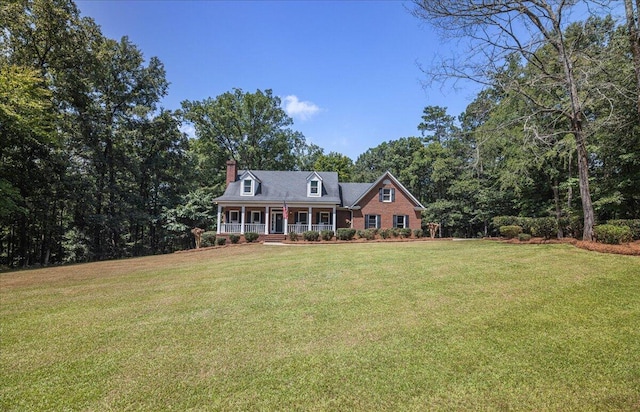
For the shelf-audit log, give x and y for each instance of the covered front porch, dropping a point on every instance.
(275, 219)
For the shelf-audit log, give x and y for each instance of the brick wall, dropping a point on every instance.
(371, 205)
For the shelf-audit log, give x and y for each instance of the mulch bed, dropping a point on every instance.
(632, 249)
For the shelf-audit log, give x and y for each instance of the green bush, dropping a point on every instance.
(613, 235)
(394, 232)
(524, 222)
(405, 232)
(326, 234)
(633, 224)
(233, 238)
(369, 234)
(510, 231)
(345, 234)
(208, 239)
(221, 241)
(251, 237)
(311, 235)
(293, 236)
(418, 233)
(360, 234)
(385, 233)
(524, 237)
(545, 227)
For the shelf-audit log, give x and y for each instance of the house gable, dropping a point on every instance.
(387, 204)
(249, 184)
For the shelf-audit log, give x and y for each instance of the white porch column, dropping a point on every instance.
(285, 216)
(267, 220)
(309, 218)
(218, 226)
(334, 219)
(242, 222)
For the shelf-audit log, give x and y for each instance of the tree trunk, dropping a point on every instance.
(556, 200)
(578, 133)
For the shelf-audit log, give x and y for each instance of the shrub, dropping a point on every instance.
(524, 222)
(613, 235)
(326, 234)
(633, 224)
(394, 232)
(233, 238)
(510, 231)
(208, 239)
(385, 233)
(404, 232)
(524, 237)
(221, 241)
(360, 234)
(418, 233)
(345, 233)
(311, 235)
(251, 237)
(545, 227)
(293, 236)
(369, 234)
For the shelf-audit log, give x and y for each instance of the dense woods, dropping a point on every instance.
(92, 168)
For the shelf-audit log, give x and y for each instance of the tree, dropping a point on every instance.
(497, 30)
(633, 28)
(251, 128)
(335, 162)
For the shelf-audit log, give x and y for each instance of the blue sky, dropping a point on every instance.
(347, 72)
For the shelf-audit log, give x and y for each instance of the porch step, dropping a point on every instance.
(274, 238)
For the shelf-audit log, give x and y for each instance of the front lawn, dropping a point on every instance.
(472, 325)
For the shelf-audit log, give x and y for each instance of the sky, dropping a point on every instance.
(347, 72)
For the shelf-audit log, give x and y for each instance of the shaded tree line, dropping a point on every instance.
(92, 167)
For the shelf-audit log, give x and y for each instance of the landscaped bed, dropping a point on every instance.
(364, 326)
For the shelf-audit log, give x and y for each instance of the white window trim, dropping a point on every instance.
(311, 194)
(299, 214)
(255, 213)
(237, 219)
(367, 223)
(387, 197)
(396, 220)
(323, 221)
(253, 188)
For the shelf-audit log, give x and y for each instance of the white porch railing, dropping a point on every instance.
(237, 227)
(298, 228)
(254, 227)
(321, 227)
(230, 227)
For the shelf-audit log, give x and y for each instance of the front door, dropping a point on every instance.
(277, 222)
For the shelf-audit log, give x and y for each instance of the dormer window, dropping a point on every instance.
(247, 187)
(314, 185)
(313, 188)
(248, 184)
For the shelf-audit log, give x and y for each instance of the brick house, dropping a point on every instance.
(280, 202)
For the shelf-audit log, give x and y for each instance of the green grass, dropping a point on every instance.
(368, 326)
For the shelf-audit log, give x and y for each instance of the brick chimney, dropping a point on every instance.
(232, 171)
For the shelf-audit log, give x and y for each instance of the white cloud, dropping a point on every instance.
(299, 110)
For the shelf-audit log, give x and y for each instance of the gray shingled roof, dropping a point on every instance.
(280, 186)
(352, 192)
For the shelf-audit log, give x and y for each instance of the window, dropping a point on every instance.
(302, 217)
(324, 218)
(247, 187)
(372, 221)
(314, 188)
(256, 216)
(234, 216)
(387, 195)
(400, 221)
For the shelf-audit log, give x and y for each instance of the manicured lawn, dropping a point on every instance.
(387, 326)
